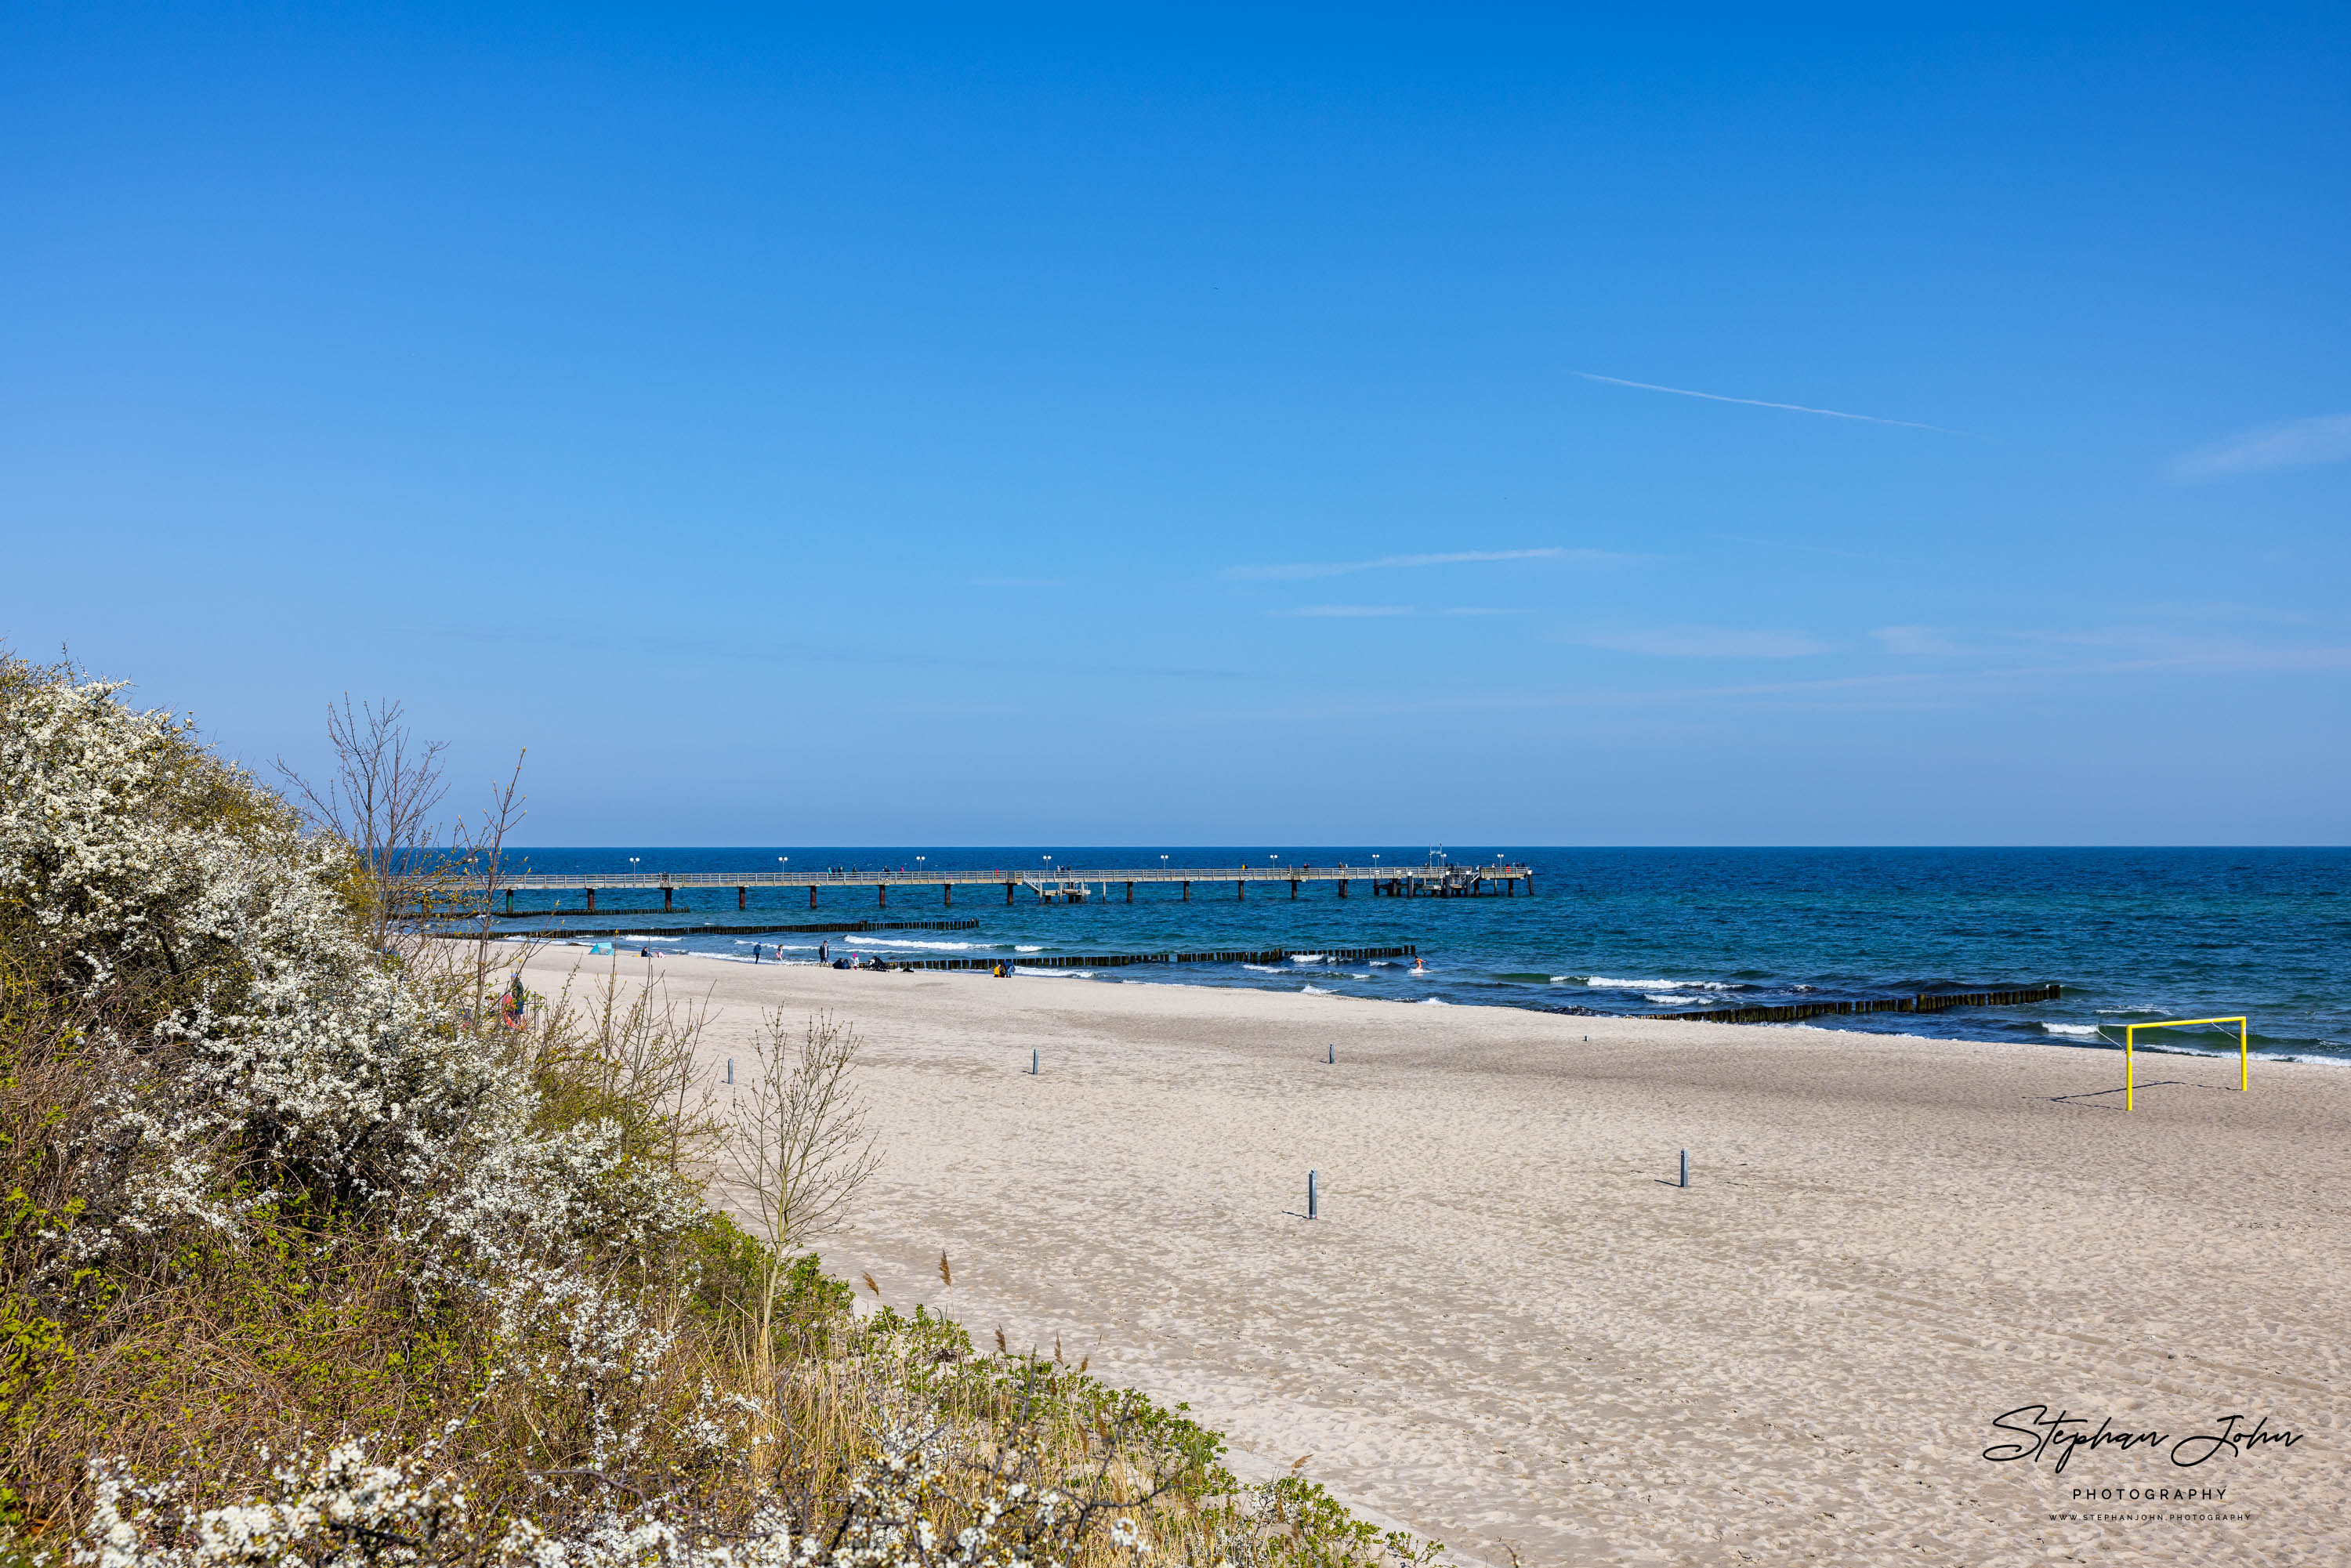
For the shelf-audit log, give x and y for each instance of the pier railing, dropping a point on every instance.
(862, 876)
(1427, 881)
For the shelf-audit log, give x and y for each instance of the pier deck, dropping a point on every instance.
(1052, 884)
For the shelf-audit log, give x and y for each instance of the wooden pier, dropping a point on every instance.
(1070, 884)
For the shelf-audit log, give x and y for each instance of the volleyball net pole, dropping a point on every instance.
(2130, 1038)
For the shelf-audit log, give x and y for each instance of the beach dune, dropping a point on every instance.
(1509, 1330)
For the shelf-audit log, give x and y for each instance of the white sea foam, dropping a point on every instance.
(1603, 983)
(1355, 976)
(860, 940)
(2072, 1029)
(1667, 999)
(1028, 948)
(1386, 963)
(1266, 969)
(1310, 959)
(1319, 991)
(1054, 974)
(1433, 1002)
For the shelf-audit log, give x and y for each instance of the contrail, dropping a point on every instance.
(1758, 402)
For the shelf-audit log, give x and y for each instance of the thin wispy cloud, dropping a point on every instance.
(1339, 611)
(1760, 402)
(1915, 640)
(2327, 439)
(1699, 642)
(1298, 570)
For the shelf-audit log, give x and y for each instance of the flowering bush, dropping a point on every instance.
(277, 1184)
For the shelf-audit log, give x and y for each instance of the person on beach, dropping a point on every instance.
(824, 951)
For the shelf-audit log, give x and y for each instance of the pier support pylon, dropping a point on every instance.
(812, 895)
(882, 894)
(669, 899)
(742, 898)
(947, 888)
(1130, 892)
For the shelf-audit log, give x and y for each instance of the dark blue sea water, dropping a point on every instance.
(2132, 935)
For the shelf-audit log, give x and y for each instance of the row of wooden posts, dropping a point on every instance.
(1924, 1002)
(1117, 960)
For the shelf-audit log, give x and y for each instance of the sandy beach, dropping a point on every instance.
(1510, 1332)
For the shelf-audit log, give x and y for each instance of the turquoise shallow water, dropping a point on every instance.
(2132, 935)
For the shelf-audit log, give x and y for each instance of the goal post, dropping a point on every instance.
(2130, 1034)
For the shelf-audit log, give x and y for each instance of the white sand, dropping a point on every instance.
(1506, 1329)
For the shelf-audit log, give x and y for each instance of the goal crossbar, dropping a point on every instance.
(2130, 1033)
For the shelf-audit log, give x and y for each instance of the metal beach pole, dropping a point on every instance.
(1312, 1196)
(1686, 1168)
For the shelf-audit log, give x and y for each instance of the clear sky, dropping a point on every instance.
(1209, 424)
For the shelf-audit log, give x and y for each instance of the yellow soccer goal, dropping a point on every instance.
(2130, 1033)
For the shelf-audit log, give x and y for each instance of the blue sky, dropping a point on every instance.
(1207, 424)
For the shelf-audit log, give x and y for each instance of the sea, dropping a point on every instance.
(2133, 936)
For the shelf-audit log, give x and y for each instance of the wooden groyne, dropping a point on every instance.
(1119, 960)
(1924, 1002)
